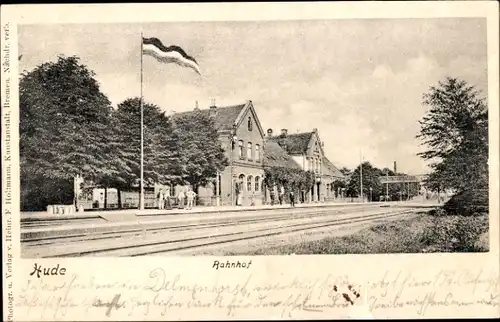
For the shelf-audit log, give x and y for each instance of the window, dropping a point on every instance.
(249, 183)
(257, 183)
(249, 124)
(240, 149)
(240, 183)
(249, 150)
(257, 152)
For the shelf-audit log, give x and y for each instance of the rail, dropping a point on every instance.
(174, 236)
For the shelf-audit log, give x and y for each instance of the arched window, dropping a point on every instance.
(241, 181)
(240, 148)
(249, 150)
(257, 183)
(249, 183)
(249, 123)
(257, 152)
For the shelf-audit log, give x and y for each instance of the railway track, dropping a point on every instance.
(186, 238)
(64, 221)
(46, 234)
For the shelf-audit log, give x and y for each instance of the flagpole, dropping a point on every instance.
(141, 202)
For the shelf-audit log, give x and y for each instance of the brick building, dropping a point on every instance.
(306, 150)
(242, 137)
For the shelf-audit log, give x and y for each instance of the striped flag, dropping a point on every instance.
(172, 54)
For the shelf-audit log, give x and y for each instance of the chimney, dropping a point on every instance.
(196, 106)
(395, 168)
(284, 132)
(269, 132)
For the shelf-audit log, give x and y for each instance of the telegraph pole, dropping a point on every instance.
(361, 177)
(387, 185)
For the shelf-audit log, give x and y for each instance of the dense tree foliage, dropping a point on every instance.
(371, 179)
(455, 131)
(69, 128)
(64, 126)
(291, 179)
(162, 157)
(201, 152)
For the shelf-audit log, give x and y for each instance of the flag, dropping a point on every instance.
(172, 54)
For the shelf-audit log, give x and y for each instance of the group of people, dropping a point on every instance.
(164, 199)
(281, 197)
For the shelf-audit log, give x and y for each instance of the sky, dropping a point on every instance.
(358, 81)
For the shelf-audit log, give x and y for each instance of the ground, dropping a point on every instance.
(417, 234)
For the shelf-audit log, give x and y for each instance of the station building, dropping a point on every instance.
(306, 149)
(249, 150)
(242, 137)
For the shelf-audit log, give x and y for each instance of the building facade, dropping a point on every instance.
(242, 138)
(306, 149)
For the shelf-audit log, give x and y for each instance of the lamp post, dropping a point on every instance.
(318, 181)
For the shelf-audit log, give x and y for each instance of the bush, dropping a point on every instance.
(468, 203)
(38, 193)
(455, 234)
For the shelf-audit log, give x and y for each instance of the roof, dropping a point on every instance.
(225, 118)
(275, 156)
(296, 143)
(330, 169)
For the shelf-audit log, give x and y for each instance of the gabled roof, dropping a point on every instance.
(225, 118)
(275, 156)
(293, 143)
(249, 106)
(331, 170)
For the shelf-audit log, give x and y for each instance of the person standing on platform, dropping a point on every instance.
(190, 198)
(282, 194)
(292, 199)
(181, 197)
(160, 200)
(167, 198)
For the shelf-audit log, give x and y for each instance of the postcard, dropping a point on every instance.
(230, 161)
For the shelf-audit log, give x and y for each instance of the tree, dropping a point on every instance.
(162, 159)
(338, 185)
(345, 171)
(371, 179)
(201, 154)
(292, 179)
(455, 131)
(64, 127)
